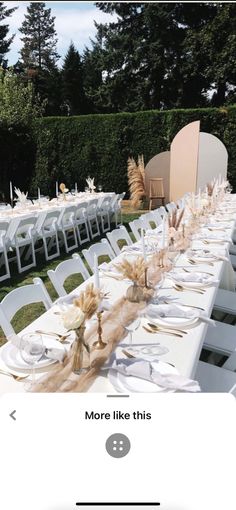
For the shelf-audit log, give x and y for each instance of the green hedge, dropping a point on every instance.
(68, 149)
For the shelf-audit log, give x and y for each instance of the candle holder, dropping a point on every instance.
(99, 344)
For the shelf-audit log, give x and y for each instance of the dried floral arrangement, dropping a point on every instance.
(210, 189)
(174, 219)
(88, 301)
(63, 188)
(136, 180)
(134, 271)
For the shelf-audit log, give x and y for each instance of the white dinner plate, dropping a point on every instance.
(137, 385)
(178, 322)
(11, 356)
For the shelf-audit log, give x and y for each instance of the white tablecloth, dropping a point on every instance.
(183, 353)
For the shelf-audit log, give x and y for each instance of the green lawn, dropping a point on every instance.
(28, 313)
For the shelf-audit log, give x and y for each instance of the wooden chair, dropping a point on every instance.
(156, 191)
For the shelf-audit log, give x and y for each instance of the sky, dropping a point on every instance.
(74, 22)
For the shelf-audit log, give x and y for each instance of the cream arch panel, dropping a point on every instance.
(159, 166)
(212, 159)
(184, 161)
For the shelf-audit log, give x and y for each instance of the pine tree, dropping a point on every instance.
(72, 82)
(4, 29)
(39, 38)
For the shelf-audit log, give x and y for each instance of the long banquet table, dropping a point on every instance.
(34, 209)
(183, 353)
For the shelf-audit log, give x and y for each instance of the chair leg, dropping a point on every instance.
(5, 263)
(47, 246)
(20, 267)
(66, 237)
(150, 204)
(97, 231)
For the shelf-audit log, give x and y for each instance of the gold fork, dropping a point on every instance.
(167, 328)
(16, 377)
(180, 288)
(204, 272)
(196, 262)
(162, 331)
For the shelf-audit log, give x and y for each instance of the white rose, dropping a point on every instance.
(73, 317)
(204, 202)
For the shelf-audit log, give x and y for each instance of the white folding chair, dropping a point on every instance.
(150, 220)
(4, 246)
(104, 211)
(171, 207)
(21, 235)
(81, 223)
(67, 268)
(116, 211)
(66, 227)
(100, 249)
(119, 234)
(47, 230)
(221, 339)
(19, 297)
(158, 218)
(136, 227)
(92, 218)
(213, 379)
(162, 211)
(225, 301)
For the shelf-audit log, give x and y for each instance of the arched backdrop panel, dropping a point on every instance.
(159, 166)
(184, 161)
(212, 159)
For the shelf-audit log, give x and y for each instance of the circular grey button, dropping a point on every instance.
(118, 445)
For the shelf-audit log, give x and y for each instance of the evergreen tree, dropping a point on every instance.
(72, 82)
(4, 29)
(39, 38)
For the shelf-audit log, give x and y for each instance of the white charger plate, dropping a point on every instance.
(11, 356)
(137, 385)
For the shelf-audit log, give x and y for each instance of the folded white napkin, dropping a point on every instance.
(50, 353)
(178, 311)
(193, 277)
(213, 236)
(143, 369)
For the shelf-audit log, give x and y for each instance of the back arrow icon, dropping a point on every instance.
(12, 415)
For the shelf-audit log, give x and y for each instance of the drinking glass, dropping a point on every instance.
(31, 351)
(100, 188)
(131, 328)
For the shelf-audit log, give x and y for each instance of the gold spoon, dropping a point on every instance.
(172, 330)
(161, 331)
(16, 377)
(180, 288)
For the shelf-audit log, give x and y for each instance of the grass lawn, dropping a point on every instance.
(29, 313)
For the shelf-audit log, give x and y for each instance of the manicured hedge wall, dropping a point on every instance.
(68, 149)
(71, 148)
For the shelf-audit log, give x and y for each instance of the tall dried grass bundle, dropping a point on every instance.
(210, 189)
(134, 271)
(175, 219)
(88, 301)
(136, 180)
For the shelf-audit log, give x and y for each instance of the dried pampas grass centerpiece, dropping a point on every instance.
(89, 300)
(135, 272)
(136, 179)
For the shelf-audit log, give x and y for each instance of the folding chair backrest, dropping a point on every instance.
(19, 297)
(156, 188)
(100, 249)
(65, 269)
